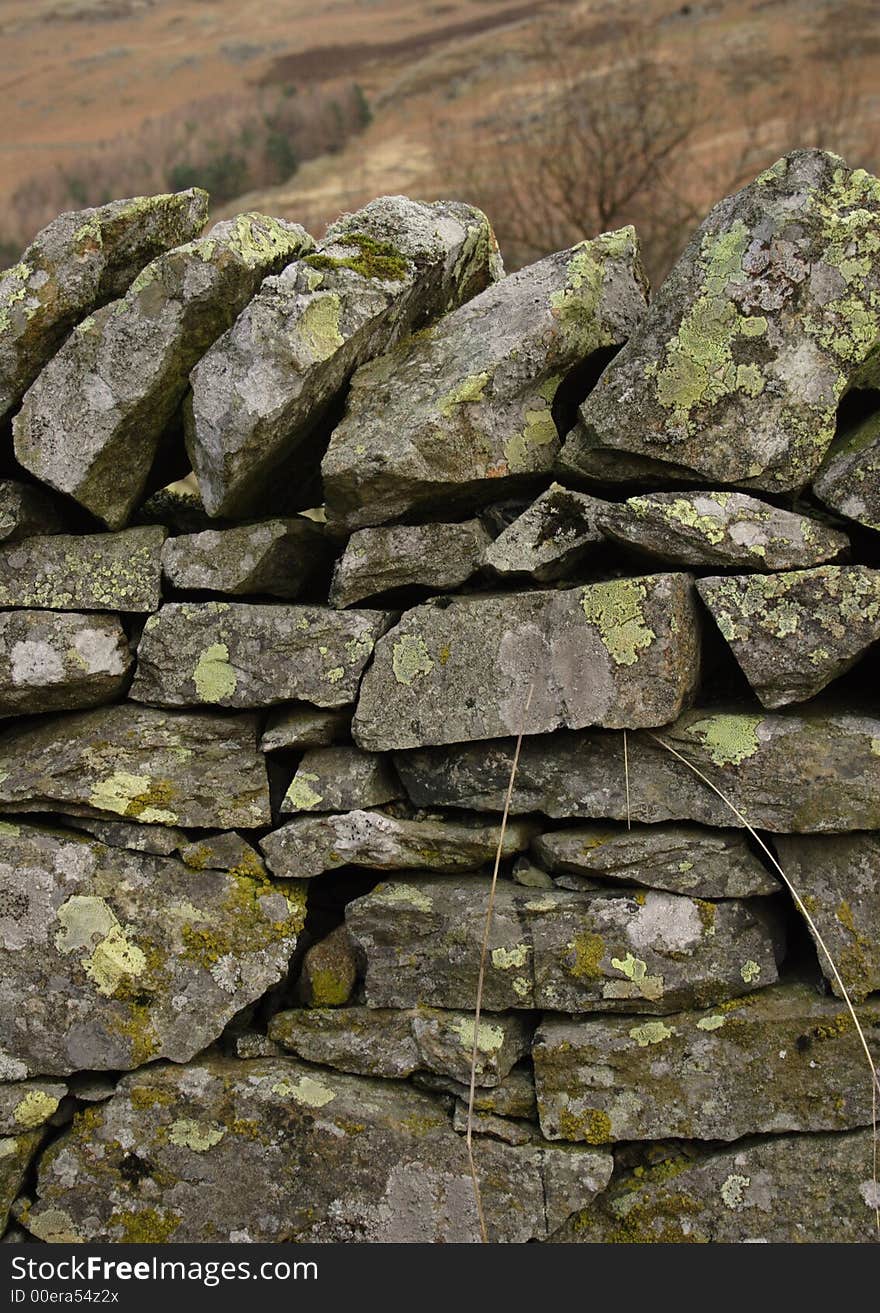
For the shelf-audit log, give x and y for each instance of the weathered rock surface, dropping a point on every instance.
(26, 1104)
(849, 480)
(305, 727)
(622, 653)
(91, 572)
(340, 780)
(726, 529)
(770, 315)
(276, 557)
(794, 633)
(783, 1059)
(255, 1123)
(311, 845)
(224, 852)
(241, 654)
(434, 556)
(160, 840)
(111, 959)
(193, 770)
(52, 661)
(513, 1097)
(78, 262)
(463, 411)
(682, 859)
(807, 772)
(571, 952)
(260, 392)
(27, 511)
(16, 1153)
(329, 972)
(551, 539)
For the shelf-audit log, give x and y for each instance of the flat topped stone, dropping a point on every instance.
(849, 479)
(305, 727)
(27, 511)
(277, 557)
(457, 413)
(771, 314)
(27, 1104)
(341, 779)
(51, 661)
(437, 556)
(87, 572)
(550, 540)
(622, 653)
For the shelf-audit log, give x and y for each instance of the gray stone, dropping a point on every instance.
(794, 633)
(499, 1128)
(254, 1045)
(78, 262)
(783, 1059)
(27, 1104)
(111, 959)
(194, 770)
(341, 780)
(550, 540)
(653, 952)
(437, 556)
(329, 971)
(682, 859)
(92, 1087)
(767, 319)
(311, 845)
(160, 840)
(622, 653)
(52, 661)
(27, 511)
(849, 480)
(16, 1154)
(223, 852)
(462, 412)
(276, 557)
(513, 1097)
(89, 572)
(305, 727)
(261, 391)
(242, 654)
(726, 529)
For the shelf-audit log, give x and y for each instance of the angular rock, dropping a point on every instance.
(254, 1045)
(329, 972)
(682, 859)
(653, 952)
(261, 391)
(801, 773)
(437, 556)
(849, 480)
(513, 1097)
(224, 852)
(111, 959)
(26, 1104)
(550, 540)
(243, 654)
(16, 1155)
(276, 557)
(52, 661)
(160, 840)
(463, 412)
(726, 529)
(500, 1128)
(622, 653)
(78, 262)
(26, 511)
(339, 780)
(794, 633)
(131, 762)
(311, 845)
(780, 1060)
(89, 572)
(305, 727)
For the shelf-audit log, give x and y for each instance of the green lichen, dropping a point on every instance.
(318, 327)
(750, 971)
(728, 739)
(145, 1226)
(466, 392)
(35, 1108)
(587, 951)
(651, 1032)
(374, 259)
(591, 1125)
(301, 797)
(410, 659)
(616, 609)
(214, 677)
(195, 1135)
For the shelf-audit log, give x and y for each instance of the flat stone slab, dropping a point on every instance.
(794, 633)
(27, 511)
(513, 1097)
(570, 952)
(53, 661)
(550, 540)
(849, 479)
(275, 557)
(86, 572)
(726, 529)
(385, 1164)
(783, 1059)
(139, 763)
(340, 780)
(122, 957)
(26, 1104)
(737, 369)
(243, 654)
(305, 727)
(462, 413)
(622, 653)
(436, 556)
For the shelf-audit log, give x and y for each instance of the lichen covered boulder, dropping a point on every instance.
(91, 572)
(339, 780)
(26, 1104)
(435, 556)
(275, 557)
(849, 480)
(51, 661)
(550, 540)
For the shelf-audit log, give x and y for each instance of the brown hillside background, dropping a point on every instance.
(559, 119)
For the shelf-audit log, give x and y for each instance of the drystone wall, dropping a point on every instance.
(258, 726)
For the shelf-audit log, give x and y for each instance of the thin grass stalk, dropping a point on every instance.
(626, 780)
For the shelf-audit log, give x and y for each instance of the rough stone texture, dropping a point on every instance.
(464, 410)
(837, 878)
(111, 959)
(16, 1153)
(807, 772)
(224, 852)
(26, 511)
(305, 727)
(653, 952)
(341, 780)
(311, 845)
(849, 480)
(790, 1189)
(239, 654)
(550, 540)
(78, 262)
(726, 529)
(391, 1166)
(513, 1097)
(26, 1104)
(160, 840)
(56, 662)
(260, 392)
(794, 633)
(436, 556)
(396, 1042)
(779, 1060)
(192, 770)
(276, 557)
(329, 972)
(622, 653)
(681, 859)
(92, 572)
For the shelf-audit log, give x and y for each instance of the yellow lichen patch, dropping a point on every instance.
(591, 1125)
(305, 1090)
(733, 1191)
(505, 958)
(632, 967)
(524, 451)
(469, 390)
(713, 1022)
(198, 1136)
(651, 1032)
(410, 659)
(750, 971)
(134, 795)
(318, 326)
(89, 923)
(586, 951)
(213, 676)
(489, 1038)
(391, 894)
(728, 739)
(301, 797)
(35, 1108)
(615, 608)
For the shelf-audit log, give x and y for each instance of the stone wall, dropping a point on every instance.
(258, 724)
